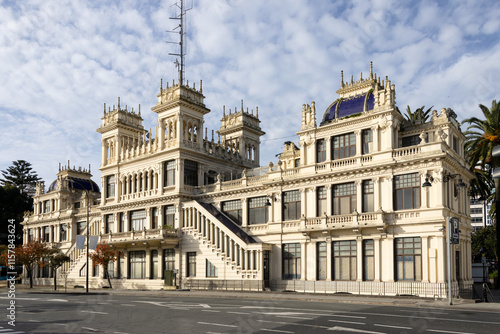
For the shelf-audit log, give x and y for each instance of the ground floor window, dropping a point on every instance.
(169, 259)
(291, 261)
(154, 264)
(408, 259)
(368, 260)
(321, 260)
(191, 264)
(137, 264)
(111, 270)
(344, 260)
(211, 270)
(121, 268)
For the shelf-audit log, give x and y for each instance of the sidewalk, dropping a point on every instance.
(462, 304)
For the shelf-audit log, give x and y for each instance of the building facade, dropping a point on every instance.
(358, 204)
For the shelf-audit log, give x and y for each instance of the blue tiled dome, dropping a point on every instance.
(76, 183)
(350, 106)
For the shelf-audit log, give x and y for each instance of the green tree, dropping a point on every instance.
(56, 260)
(13, 204)
(484, 241)
(103, 255)
(21, 175)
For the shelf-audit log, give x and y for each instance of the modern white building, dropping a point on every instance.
(357, 203)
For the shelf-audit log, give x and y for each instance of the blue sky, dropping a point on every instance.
(62, 60)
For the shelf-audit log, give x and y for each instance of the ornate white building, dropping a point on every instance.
(358, 204)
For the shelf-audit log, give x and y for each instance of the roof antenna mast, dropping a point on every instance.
(182, 33)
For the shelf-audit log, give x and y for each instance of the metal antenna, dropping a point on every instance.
(181, 54)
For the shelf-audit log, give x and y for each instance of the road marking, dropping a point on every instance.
(301, 318)
(173, 305)
(276, 330)
(450, 332)
(33, 321)
(347, 316)
(390, 326)
(90, 329)
(127, 304)
(243, 313)
(210, 311)
(429, 318)
(295, 324)
(352, 330)
(348, 322)
(214, 324)
(57, 300)
(94, 312)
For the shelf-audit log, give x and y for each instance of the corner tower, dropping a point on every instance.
(241, 131)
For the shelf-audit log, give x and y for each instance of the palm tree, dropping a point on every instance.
(418, 116)
(483, 135)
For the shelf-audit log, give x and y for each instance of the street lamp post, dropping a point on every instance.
(88, 239)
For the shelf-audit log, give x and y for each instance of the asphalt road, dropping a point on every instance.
(133, 314)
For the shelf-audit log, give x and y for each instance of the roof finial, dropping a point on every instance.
(371, 70)
(342, 79)
(139, 110)
(223, 111)
(118, 103)
(161, 85)
(104, 108)
(241, 105)
(257, 110)
(361, 77)
(201, 86)
(352, 79)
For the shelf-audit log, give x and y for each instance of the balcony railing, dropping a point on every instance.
(151, 234)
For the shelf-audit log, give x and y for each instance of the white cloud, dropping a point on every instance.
(61, 60)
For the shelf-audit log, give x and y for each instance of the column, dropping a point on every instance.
(244, 212)
(303, 261)
(357, 133)
(328, 142)
(377, 257)
(148, 218)
(303, 202)
(425, 191)
(425, 259)
(148, 263)
(375, 139)
(329, 259)
(387, 194)
(359, 195)
(329, 199)
(390, 259)
(126, 271)
(359, 258)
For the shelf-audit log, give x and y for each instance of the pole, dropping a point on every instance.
(497, 204)
(88, 236)
(448, 251)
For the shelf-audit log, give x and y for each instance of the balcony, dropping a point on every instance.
(152, 237)
(376, 219)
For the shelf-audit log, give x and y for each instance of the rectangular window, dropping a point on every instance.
(46, 206)
(233, 210)
(191, 264)
(455, 144)
(257, 210)
(297, 162)
(110, 223)
(77, 205)
(321, 260)
(169, 215)
(407, 191)
(291, 205)
(368, 197)
(291, 261)
(320, 201)
(154, 218)
(344, 198)
(320, 150)
(367, 141)
(137, 264)
(344, 260)
(169, 170)
(80, 227)
(408, 259)
(110, 186)
(368, 260)
(46, 234)
(211, 270)
(31, 235)
(122, 222)
(121, 268)
(63, 232)
(137, 220)
(190, 173)
(410, 141)
(343, 146)
(169, 259)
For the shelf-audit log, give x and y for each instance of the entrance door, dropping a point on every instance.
(266, 266)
